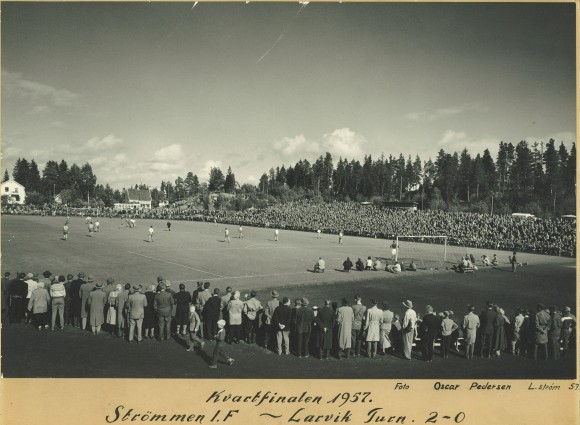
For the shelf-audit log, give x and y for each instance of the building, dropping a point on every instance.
(13, 192)
(136, 199)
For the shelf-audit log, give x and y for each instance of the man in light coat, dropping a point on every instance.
(136, 303)
(408, 328)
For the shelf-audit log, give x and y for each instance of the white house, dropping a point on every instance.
(13, 192)
(139, 198)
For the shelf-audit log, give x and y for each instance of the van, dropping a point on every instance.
(523, 215)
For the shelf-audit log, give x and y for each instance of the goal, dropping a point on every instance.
(427, 251)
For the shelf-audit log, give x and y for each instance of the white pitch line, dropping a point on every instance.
(177, 264)
(242, 277)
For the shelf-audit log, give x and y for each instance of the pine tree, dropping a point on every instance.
(230, 182)
(6, 176)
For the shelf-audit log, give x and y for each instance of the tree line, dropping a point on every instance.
(538, 179)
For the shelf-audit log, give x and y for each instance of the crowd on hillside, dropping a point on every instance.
(501, 232)
(350, 327)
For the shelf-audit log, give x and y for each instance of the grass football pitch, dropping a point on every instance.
(195, 251)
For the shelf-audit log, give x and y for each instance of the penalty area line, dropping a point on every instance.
(177, 264)
(243, 277)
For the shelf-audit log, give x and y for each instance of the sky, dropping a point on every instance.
(147, 92)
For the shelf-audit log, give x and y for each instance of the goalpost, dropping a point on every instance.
(424, 248)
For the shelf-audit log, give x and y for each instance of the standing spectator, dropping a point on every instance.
(373, 322)
(514, 262)
(344, 321)
(194, 323)
(542, 324)
(211, 313)
(408, 328)
(304, 319)
(325, 322)
(200, 300)
(359, 312)
(386, 326)
(57, 294)
(137, 303)
(121, 304)
(448, 326)
(430, 326)
(281, 322)
(487, 320)
(251, 309)
(84, 292)
(32, 285)
(293, 328)
(5, 295)
(470, 326)
(219, 339)
(96, 304)
(235, 308)
(271, 306)
(75, 299)
(149, 313)
(568, 327)
(38, 305)
(516, 329)
(67, 300)
(163, 306)
(276, 233)
(555, 332)
(182, 301)
(17, 290)
(111, 318)
(224, 304)
(499, 338)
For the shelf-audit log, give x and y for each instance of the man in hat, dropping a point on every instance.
(543, 321)
(487, 319)
(344, 320)
(18, 289)
(75, 299)
(555, 332)
(430, 326)
(96, 303)
(211, 313)
(194, 323)
(568, 326)
(470, 325)
(325, 322)
(110, 287)
(281, 323)
(200, 300)
(408, 328)
(269, 310)
(359, 311)
(32, 285)
(304, 318)
(220, 337)
(38, 306)
(136, 306)
(163, 306)
(84, 292)
(252, 309)
(121, 304)
(182, 301)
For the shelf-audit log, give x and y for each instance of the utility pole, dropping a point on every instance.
(491, 203)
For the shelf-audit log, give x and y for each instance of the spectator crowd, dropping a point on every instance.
(340, 329)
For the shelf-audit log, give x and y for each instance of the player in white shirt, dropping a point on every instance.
(227, 236)
(241, 232)
(97, 225)
(340, 237)
(65, 231)
(151, 231)
(318, 234)
(91, 229)
(276, 232)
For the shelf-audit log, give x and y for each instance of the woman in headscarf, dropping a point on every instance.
(149, 317)
(235, 307)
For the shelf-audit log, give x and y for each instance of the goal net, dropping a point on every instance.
(427, 252)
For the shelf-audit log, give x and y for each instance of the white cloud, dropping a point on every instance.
(451, 137)
(14, 84)
(344, 142)
(455, 141)
(204, 176)
(340, 142)
(169, 153)
(107, 142)
(446, 112)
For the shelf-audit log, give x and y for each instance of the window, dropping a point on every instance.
(15, 190)
(6, 189)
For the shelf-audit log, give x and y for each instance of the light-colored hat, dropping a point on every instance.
(304, 301)
(408, 304)
(136, 287)
(153, 287)
(167, 284)
(118, 287)
(221, 323)
(192, 309)
(567, 309)
(90, 278)
(274, 293)
(29, 276)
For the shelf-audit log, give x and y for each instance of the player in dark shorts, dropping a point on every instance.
(169, 226)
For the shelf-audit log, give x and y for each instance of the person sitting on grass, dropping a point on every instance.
(360, 265)
(219, 340)
(494, 260)
(369, 265)
(412, 267)
(377, 264)
(319, 266)
(394, 268)
(347, 264)
(485, 260)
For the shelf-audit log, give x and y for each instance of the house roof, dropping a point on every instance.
(12, 182)
(138, 195)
